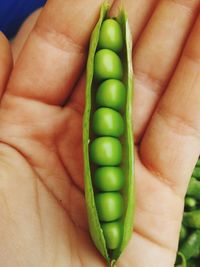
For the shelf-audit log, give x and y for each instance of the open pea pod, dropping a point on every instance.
(181, 260)
(124, 142)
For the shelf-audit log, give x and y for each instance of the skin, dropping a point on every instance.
(43, 220)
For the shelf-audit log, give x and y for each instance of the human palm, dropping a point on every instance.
(43, 216)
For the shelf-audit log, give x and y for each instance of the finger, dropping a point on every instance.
(22, 35)
(5, 62)
(139, 13)
(157, 53)
(171, 144)
(54, 54)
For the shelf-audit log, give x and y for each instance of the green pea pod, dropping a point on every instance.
(196, 172)
(198, 163)
(192, 219)
(183, 233)
(127, 164)
(180, 260)
(194, 188)
(191, 246)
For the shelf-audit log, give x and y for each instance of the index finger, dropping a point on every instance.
(54, 54)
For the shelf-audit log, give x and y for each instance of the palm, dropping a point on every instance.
(41, 154)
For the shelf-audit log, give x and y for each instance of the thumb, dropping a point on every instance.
(6, 62)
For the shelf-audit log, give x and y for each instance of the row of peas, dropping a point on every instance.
(108, 126)
(189, 243)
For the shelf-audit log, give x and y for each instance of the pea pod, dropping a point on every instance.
(183, 233)
(108, 137)
(196, 172)
(194, 188)
(180, 260)
(198, 163)
(191, 246)
(192, 219)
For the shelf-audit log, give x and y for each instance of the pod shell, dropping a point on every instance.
(127, 142)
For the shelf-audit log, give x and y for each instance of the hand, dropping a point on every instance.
(43, 218)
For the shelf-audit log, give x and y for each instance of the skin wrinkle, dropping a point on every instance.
(58, 40)
(187, 4)
(166, 181)
(38, 211)
(177, 124)
(156, 83)
(154, 241)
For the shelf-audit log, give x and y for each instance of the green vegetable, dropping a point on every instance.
(180, 260)
(111, 94)
(106, 151)
(109, 206)
(194, 188)
(108, 160)
(183, 233)
(107, 65)
(196, 172)
(109, 179)
(192, 219)
(189, 242)
(111, 35)
(113, 234)
(191, 246)
(198, 163)
(108, 122)
(190, 203)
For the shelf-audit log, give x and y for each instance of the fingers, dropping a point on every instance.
(5, 62)
(54, 54)
(171, 144)
(22, 35)
(156, 55)
(139, 12)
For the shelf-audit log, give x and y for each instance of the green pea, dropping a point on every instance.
(112, 94)
(113, 234)
(111, 35)
(192, 219)
(106, 151)
(190, 203)
(191, 246)
(109, 206)
(194, 188)
(108, 122)
(183, 233)
(109, 179)
(108, 157)
(196, 172)
(107, 65)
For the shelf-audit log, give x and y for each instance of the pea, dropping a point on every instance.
(108, 161)
(190, 247)
(190, 203)
(183, 233)
(192, 219)
(111, 93)
(112, 233)
(108, 122)
(107, 65)
(111, 35)
(109, 206)
(109, 178)
(106, 151)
